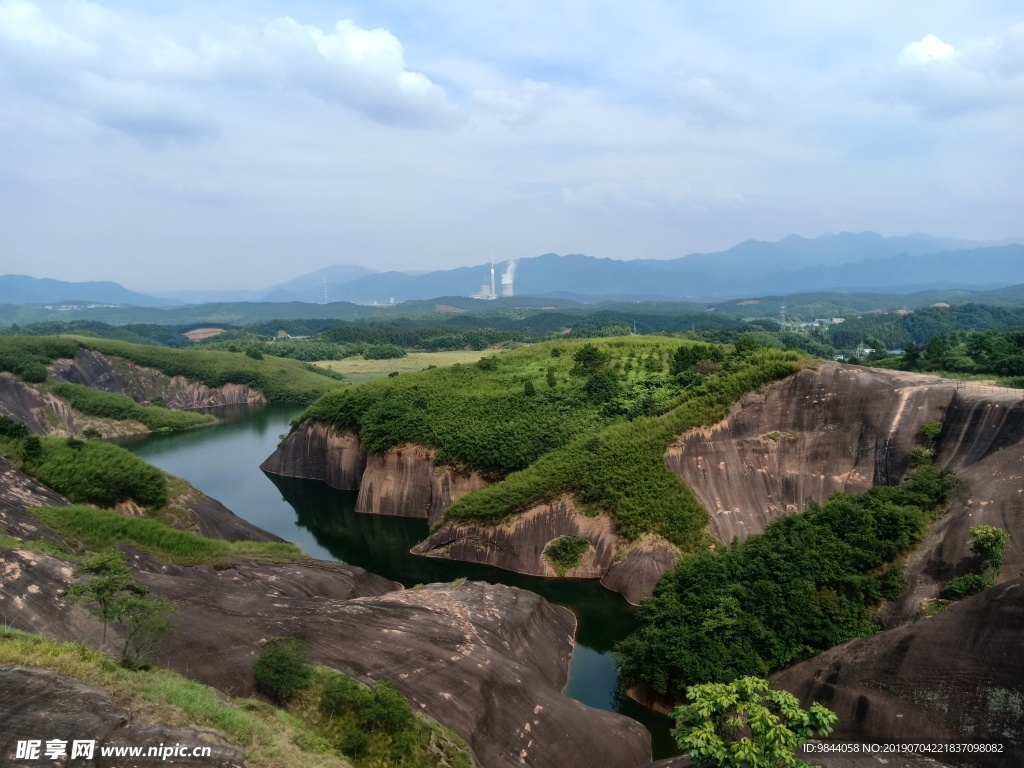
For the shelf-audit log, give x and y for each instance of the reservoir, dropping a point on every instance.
(223, 462)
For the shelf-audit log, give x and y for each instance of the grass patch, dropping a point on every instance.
(565, 552)
(271, 738)
(358, 370)
(100, 529)
(42, 546)
(110, 405)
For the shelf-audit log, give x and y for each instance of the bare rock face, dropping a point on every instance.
(18, 493)
(837, 428)
(488, 661)
(315, 451)
(43, 413)
(43, 705)
(209, 518)
(518, 545)
(635, 575)
(983, 442)
(956, 676)
(398, 483)
(405, 481)
(112, 374)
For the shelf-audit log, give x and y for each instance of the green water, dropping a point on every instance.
(223, 462)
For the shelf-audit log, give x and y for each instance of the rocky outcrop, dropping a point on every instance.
(837, 428)
(398, 483)
(113, 374)
(18, 493)
(983, 442)
(405, 481)
(208, 517)
(43, 705)
(315, 451)
(645, 562)
(43, 413)
(954, 677)
(518, 545)
(488, 661)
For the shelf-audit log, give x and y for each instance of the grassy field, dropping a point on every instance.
(358, 371)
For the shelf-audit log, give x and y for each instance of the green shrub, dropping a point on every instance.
(102, 529)
(93, 472)
(342, 694)
(529, 389)
(930, 431)
(110, 405)
(564, 553)
(281, 670)
(808, 583)
(355, 744)
(383, 352)
(966, 585)
(11, 429)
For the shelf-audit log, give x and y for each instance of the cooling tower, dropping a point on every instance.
(507, 279)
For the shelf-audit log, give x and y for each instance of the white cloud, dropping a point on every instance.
(360, 69)
(927, 50)
(941, 81)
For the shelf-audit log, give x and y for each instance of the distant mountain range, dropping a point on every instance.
(844, 262)
(22, 289)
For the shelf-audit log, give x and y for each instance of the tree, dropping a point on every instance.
(529, 389)
(552, 381)
(110, 578)
(589, 360)
(713, 729)
(988, 544)
(142, 616)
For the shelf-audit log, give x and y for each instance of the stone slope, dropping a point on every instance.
(488, 661)
(956, 676)
(983, 442)
(113, 374)
(837, 428)
(41, 704)
(43, 413)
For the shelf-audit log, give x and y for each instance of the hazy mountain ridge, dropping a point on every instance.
(844, 262)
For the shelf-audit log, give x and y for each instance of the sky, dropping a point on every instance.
(238, 144)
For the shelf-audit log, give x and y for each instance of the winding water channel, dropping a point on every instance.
(223, 462)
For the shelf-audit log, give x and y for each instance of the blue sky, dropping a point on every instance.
(237, 144)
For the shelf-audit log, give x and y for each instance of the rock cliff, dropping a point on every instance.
(837, 428)
(315, 451)
(40, 704)
(113, 374)
(405, 481)
(956, 676)
(518, 545)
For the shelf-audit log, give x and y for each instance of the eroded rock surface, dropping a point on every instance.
(315, 451)
(43, 413)
(113, 374)
(837, 428)
(956, 676)
(405, 481)
(983, 442)
(18, 493)
(518, 545)
(41, 704)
